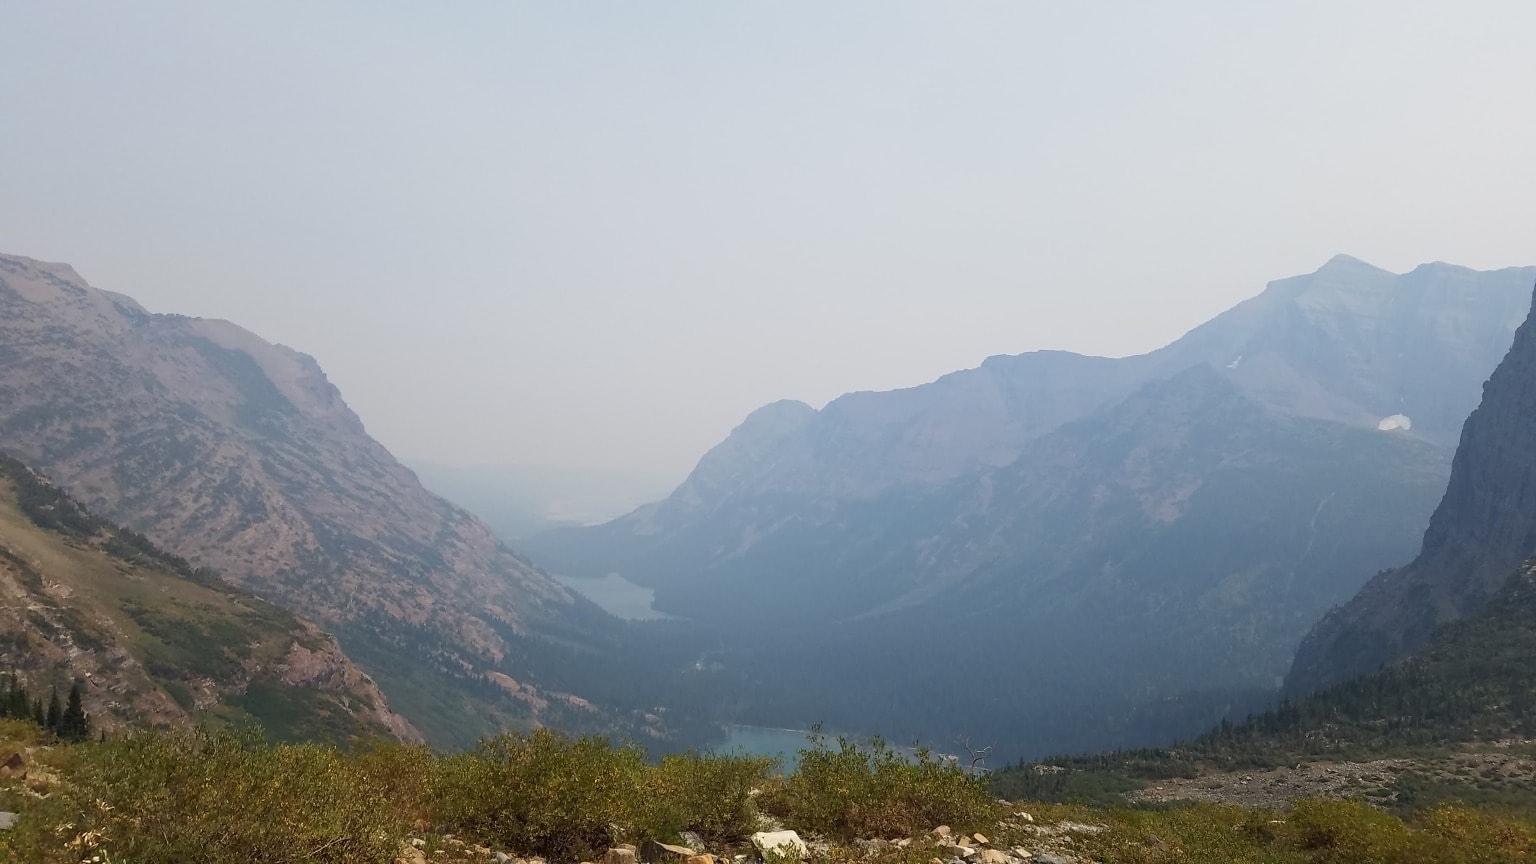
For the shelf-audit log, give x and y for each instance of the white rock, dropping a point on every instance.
(781, 842)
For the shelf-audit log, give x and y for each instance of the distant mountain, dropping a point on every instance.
(517, 501)
(1103, 538)
(156, 642)
(1483, 529)
(239, 455)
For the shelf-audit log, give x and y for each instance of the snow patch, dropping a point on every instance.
(1235, 363)
(1395, 423)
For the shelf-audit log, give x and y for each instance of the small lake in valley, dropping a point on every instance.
(782, 744)
(617, 596)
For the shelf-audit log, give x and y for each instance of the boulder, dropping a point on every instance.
(980, 838)
(992, 856)
(621, 855)
(661, 853)
(7, 821)
(701, 858)
(780, 843)
(941, 831)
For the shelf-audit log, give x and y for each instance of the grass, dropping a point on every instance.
(225, 796)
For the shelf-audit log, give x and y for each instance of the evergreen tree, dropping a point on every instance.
(55, 710)
(38, 716)
(74, 724)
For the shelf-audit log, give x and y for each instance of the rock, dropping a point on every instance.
(979, 838)
(1021, 852)
(621, 855)
(701, 858)
(1053, 859)
(1024, 816)
(692, 840)
(991, 856)
(941, 831)
(781, 843)
(411, 855)
(418, 843)
(664, 852)
(1080, 828)
(7, 821)
(502, 858)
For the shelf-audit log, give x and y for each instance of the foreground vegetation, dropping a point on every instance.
(223, 796)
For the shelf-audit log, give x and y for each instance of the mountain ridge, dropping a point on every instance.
(241, 456)
(1481, 530)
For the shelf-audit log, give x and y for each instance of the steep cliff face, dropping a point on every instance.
(1484, 528)
(240, 455)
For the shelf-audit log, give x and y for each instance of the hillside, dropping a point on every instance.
(1452, 721)
(156, 642)
(1131, 547)
(240, 456)
(1484, 527)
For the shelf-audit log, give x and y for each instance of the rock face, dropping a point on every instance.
(1112, 532)
(1484, 528)
(155, 641)
(241, 456)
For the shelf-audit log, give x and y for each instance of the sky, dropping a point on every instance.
(599, 234)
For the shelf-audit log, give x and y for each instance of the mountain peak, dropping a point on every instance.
(1342, 261)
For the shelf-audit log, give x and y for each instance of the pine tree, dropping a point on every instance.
(38, 716)
(74, 724)
(55, 710)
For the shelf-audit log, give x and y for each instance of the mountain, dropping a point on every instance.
(1125, 549)
(1484, 528)
(157, 642)
(241, 456)
(517, 501)
(1403, 735)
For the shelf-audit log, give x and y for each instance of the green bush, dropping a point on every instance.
(544, 793)
(210, 797)
(853, 791)
(709, 795)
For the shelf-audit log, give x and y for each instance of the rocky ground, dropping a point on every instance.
(1379, 781)
(1018, 839)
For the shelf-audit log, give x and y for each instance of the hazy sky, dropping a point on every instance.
(600, 233)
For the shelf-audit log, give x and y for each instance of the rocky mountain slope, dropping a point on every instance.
(157, 642)
(242, 457)
(1484, 527)
(1125, 535)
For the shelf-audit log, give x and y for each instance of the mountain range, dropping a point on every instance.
(1078, 552)
(240, 456)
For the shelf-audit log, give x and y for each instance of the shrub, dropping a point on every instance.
(213, 798)
(874, 792)
(709, 795)
(543, 793)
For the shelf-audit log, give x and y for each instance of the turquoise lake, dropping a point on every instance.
(617, 596)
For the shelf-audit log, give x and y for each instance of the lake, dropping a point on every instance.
(617, 596)
(782, 744)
